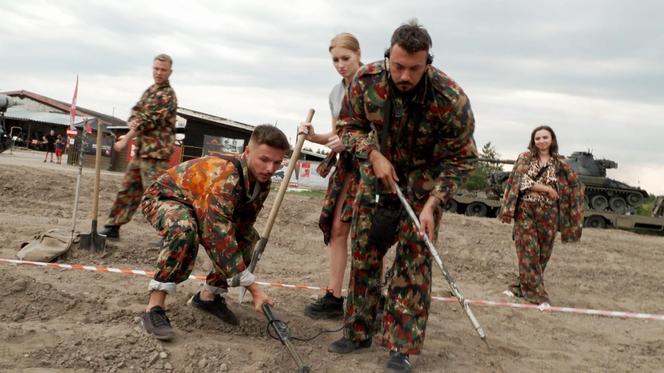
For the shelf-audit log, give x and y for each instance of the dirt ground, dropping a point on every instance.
(54, 320)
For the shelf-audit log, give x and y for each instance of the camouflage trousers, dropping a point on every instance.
(535, 227)
(141, 172)
(177, 224)
(409, 291)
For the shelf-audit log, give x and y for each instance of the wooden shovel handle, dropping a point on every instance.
(95, 196)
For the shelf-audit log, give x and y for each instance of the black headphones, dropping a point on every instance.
(429, 56)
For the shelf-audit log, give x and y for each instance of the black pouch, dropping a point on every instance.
(384, 229)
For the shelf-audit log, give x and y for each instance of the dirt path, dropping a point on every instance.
(61, 320)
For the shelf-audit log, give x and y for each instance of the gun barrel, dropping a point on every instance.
(502, 161)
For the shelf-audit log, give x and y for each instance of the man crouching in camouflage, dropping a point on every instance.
(424, 124)
(213, 201)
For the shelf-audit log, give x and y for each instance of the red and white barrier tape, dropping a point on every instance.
(579, 311)
(478, 302)
(136, 272)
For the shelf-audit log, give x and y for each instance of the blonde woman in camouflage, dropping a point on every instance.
(337, 207)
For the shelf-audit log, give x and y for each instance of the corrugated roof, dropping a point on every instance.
(20, 113)
(64, 107)
(188, 113)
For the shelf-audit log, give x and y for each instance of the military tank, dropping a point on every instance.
(601, 193)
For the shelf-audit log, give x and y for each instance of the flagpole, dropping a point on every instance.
(72, 128)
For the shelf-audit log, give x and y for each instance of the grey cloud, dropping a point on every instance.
(597, 61)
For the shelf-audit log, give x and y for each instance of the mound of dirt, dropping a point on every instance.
(64, 320)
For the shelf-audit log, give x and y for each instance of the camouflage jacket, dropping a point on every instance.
(155, 113)
(225, 210)
(570, 196)
(430, 140)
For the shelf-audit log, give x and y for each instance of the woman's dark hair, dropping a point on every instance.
(553, 150)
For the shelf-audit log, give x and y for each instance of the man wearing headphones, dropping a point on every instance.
(410, 126)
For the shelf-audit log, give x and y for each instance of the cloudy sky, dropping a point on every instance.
(587, 68)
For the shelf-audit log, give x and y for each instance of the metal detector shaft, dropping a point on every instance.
(282, 332)
(455, 289)
(260, 246)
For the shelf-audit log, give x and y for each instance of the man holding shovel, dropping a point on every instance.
(212, 201)
(410, 126)
(152, 124)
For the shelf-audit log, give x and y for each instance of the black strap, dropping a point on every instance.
(540, 172)
(387, 119)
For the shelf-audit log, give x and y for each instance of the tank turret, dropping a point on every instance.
(603, 193)
(497, 179)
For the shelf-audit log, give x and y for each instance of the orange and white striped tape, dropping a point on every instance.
(478, 302)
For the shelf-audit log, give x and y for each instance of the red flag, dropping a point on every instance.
(72, 108)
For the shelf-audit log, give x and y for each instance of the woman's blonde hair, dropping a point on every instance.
(345, 40)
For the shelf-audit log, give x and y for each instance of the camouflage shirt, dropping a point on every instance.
(225, 210)
(570, 194)
(430, 139)
(155, 113)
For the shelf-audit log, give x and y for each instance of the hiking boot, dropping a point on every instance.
(156, 323)
(111, 231)
(398, 363)
(345, 345)
(216, 307)
(327, 307)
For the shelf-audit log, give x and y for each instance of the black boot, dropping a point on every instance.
(345, 345)
(111, 231)
(398, 363)
(327, 307)
(216, 307)
(156, 323)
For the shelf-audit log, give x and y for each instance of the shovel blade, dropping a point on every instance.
(93, 241)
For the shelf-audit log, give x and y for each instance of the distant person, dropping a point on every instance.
(49, 141)
(152, 125)
(338, 204)
(211, 201)
(59, 148)
(543, 196)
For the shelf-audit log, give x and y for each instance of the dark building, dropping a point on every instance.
(206, 133)
(198, 133)
(36, 115)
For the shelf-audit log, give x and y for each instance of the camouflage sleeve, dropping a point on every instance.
(353, 125)
(456, 149)
(136, 109)
(246, 242)
(222, 234)
(154, 109)
(571, 204)
(511, 194)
